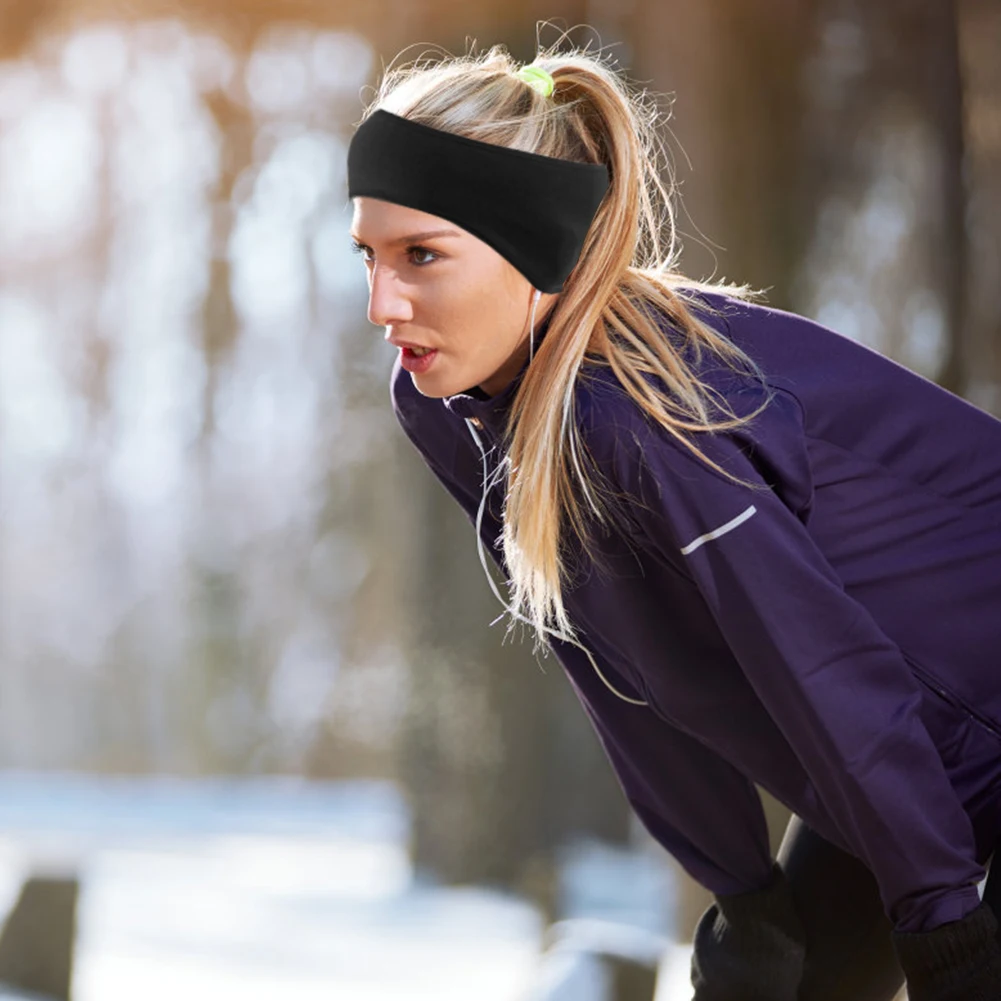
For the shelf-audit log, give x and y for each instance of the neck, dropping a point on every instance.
(516, 364)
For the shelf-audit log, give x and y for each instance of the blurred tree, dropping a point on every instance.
(220, 720)
(21, 21)
(979, 31)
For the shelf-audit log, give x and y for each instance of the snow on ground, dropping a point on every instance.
(257, 889)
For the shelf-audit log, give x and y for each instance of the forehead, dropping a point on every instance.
(387, 221)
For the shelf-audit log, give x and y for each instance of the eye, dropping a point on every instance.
(422, 250)
(360, 248)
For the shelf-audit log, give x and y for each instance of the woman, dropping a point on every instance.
(762, 552)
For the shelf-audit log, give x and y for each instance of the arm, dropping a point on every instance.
(694, 803)
(750, 942)
(697, 805)
(835, 684)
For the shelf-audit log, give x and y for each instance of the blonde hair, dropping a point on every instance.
(606, 312)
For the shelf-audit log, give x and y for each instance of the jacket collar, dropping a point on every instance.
(492, 411)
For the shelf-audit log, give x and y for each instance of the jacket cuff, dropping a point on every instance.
(770, 902)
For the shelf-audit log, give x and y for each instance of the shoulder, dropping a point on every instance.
(621, 438)
(776, 337)
(719, 308)
(627, 443)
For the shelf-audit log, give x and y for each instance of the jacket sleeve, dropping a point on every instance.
(836, 686)
(695, 804)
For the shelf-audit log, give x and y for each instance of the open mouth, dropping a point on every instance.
(417, 359)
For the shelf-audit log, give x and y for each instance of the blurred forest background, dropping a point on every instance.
(218, 553)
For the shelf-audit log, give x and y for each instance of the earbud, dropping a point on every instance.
(535, 298)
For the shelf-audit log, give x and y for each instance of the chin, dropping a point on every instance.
(436, 387)
(426, 386)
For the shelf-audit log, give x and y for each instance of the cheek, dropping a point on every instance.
(481, 311)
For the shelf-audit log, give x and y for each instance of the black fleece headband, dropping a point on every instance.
(533, 210)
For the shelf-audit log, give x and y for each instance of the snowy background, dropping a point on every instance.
(258, 889)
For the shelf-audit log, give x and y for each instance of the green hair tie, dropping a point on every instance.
(537, 78)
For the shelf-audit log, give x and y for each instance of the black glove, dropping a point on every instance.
(750, 946)
(957, 961)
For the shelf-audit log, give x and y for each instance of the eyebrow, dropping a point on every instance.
(430, 234)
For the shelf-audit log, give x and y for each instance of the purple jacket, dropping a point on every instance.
(835, 638)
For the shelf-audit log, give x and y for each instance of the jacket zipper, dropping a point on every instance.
(926, 677)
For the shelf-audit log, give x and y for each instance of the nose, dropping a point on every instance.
(387, 303)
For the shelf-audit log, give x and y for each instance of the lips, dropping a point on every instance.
(409, 344)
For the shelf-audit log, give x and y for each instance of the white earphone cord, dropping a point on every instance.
(479, 537)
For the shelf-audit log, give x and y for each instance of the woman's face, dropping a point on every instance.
(450, 291)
